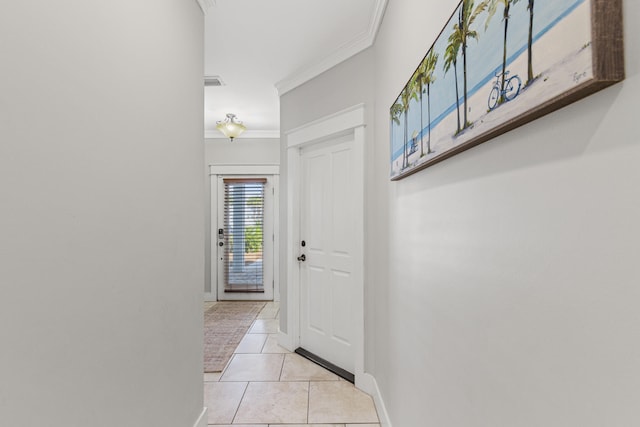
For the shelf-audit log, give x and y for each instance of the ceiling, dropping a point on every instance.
(261, 49)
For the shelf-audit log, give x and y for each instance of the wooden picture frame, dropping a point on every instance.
(565, 49)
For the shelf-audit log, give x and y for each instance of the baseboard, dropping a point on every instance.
(209, 296)
(369, 381)
(365, 382)
(202, 419)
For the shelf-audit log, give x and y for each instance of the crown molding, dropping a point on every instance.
(249, 134)
(206, 4)
(344, 52)
(376, 19)
(341, 54)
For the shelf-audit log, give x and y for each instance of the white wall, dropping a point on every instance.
(101, 225)
(502, 284)
(511, 294)
(242, 151)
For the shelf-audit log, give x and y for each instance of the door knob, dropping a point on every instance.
(302, 257)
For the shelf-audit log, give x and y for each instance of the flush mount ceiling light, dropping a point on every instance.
(230, 127)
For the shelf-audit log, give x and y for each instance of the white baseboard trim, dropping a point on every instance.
(284, 340)
(209, 296)
(369, 380)
(366, 383)
(202, 419)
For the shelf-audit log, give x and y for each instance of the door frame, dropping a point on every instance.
(244, 170)
(350, 121)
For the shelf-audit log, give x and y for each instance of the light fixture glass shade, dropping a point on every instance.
(230, 127)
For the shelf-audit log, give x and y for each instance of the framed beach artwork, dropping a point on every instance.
(498, 64)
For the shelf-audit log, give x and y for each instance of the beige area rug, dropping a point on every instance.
(224, 326)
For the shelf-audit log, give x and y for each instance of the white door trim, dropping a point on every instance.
(348, 121)
(246, 169)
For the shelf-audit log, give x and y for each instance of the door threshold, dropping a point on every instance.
(244, 291)
(326, 365)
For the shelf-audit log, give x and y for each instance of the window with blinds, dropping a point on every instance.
(243, 234)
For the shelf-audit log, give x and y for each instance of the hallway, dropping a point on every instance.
(264, 385)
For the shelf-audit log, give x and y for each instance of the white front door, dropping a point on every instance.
(328, 238)
(245, 237)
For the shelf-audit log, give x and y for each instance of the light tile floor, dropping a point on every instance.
(264, 385)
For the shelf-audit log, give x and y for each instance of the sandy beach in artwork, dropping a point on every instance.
(562, 60)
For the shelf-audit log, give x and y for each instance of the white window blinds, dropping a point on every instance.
(243, 234)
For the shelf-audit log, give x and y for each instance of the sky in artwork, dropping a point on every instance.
(484, 59)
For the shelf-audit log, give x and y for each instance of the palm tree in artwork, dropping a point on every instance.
(409, 92)
(418, 81)
(405, 97)
(430, 67)
(467, 15)
(396, 111)
(530, 53)
(506, 7)
(451, 58)
(421, 81)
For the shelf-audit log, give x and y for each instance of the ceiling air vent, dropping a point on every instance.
(210, 81)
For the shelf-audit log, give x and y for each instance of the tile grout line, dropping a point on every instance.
(244, 393)
(263, 345)
(308, 400)
(224, 371)
(281, 369)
